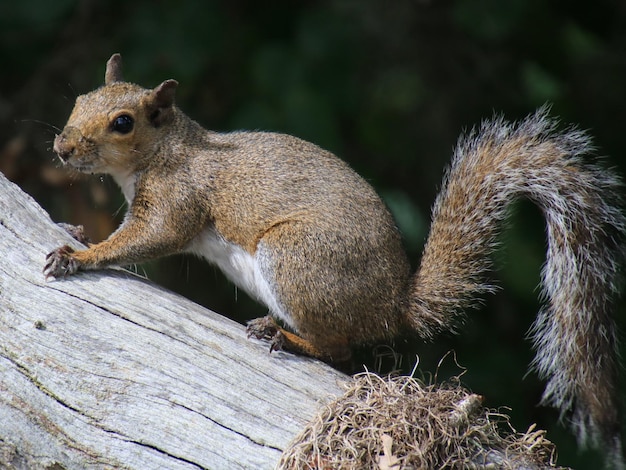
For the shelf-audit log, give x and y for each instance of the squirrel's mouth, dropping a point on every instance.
(84, 169)
(81, 166)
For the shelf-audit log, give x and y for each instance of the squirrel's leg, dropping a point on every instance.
(135, 241)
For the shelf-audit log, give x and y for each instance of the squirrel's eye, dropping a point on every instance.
(123, 124)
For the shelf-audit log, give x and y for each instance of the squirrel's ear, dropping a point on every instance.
(160, 102)
(114, 70)
(163, 95)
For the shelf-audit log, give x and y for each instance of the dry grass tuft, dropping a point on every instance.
(399, 423)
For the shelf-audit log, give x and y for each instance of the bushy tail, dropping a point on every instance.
(574, 334)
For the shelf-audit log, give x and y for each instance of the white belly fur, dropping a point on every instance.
(240, 267)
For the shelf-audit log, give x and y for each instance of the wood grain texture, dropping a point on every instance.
(107, 370)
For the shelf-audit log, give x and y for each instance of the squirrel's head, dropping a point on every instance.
(116, 127)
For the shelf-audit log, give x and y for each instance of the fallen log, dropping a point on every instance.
(107, 370)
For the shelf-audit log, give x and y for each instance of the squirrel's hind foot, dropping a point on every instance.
(266, 328)
(262, 328)
(283, 340)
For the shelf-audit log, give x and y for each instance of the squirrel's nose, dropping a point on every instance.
(62, 148)
(65, 143)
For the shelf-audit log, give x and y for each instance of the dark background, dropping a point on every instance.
(386, 85)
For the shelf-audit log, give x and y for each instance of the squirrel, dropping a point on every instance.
(301, 232)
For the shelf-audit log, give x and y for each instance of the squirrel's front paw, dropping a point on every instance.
(60, 263)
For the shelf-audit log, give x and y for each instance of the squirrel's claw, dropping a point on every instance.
(60, 263)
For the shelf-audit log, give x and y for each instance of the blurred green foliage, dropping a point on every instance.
(388, 86)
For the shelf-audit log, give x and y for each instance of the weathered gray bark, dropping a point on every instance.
(105, 369)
